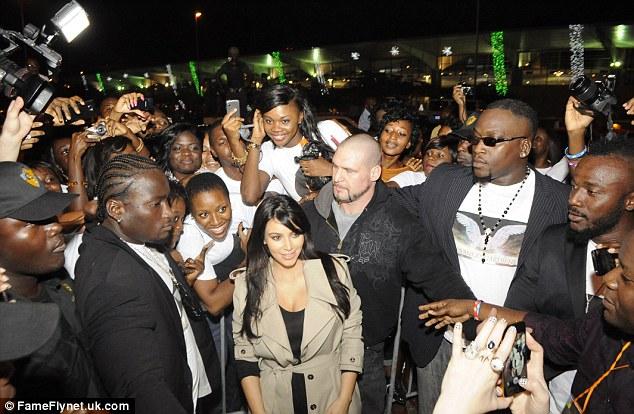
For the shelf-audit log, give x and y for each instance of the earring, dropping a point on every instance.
(119, 220)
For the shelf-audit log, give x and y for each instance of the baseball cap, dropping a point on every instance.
(25, 327)
(466, 131)
(24, 197)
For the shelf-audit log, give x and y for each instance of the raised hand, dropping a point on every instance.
(535, 399)
(194, 267)
(576, 119)
(231, 125)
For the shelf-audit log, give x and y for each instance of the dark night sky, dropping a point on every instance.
(139, 33)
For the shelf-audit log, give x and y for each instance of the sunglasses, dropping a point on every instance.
(491, 141)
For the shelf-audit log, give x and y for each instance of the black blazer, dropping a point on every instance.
(436, 202)
(552, 279)
(133, 328)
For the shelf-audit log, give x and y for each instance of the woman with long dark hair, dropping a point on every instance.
(285, 116)
(296, 320)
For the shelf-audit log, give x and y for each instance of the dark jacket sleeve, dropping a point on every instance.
(410, 198)
(563, 340)
(427, 269)
(119, 325)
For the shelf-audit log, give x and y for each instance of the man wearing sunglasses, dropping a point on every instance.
(485, 218)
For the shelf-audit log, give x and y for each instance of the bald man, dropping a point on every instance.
(356, 215)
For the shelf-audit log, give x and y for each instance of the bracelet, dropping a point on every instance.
(140, 147)
(253, 145)
(239, 161)
(577, 155)
(476, 309)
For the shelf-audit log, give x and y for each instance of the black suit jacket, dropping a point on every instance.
(435, 203)
(552, 279)
(133, 328)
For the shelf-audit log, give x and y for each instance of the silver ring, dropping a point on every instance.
(471, 351)
(497, 365)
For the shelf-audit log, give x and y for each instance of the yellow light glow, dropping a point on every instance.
(197, 15)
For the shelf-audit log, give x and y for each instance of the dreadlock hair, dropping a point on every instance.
(97, 156)
(400, 112)
(116, 178)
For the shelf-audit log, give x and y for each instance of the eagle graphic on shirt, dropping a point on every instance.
(504, 244)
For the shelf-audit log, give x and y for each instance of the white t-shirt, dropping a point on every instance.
(240, 212)
(490, 281)
(407, 178)
(364, 120)
(71, 254)
(194, 239)
(280, 162)
(558, 171)
(158, 262)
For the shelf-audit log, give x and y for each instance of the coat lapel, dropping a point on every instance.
(460, 187)
(575, 275)
(539, 217)
(319, 312)
(271, 324)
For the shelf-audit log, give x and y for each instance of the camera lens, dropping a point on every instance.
(584, 89)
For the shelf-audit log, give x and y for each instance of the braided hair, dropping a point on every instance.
(117, 177)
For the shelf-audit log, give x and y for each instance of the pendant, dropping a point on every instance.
(487, 231)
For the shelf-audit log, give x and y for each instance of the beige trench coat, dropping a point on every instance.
(329, 345)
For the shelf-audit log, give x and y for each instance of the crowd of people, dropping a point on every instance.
(228, 266)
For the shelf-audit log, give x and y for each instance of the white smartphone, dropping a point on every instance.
(233, 104)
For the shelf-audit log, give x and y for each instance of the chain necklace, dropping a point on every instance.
(488, 232)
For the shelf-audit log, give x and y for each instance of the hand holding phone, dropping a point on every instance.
(515, 367)
(233, 104)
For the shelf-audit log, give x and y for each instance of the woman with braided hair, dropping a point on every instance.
(143, 325)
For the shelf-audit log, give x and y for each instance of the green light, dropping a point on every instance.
(279, 66)
(102, 87)
(499, 69)
(192, 70)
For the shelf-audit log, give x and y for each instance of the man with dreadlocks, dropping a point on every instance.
(143, 325)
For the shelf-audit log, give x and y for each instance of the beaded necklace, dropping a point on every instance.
(488, 232)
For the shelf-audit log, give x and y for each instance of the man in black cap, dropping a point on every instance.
(25, 328)
(32, 252)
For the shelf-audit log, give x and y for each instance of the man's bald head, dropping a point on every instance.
(363, 145)
(356, 168)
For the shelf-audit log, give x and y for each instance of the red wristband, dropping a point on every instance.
(476, 309)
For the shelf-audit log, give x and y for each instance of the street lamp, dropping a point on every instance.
(197, 15)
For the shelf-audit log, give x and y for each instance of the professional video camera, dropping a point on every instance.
(595, 96)
(36, 89)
